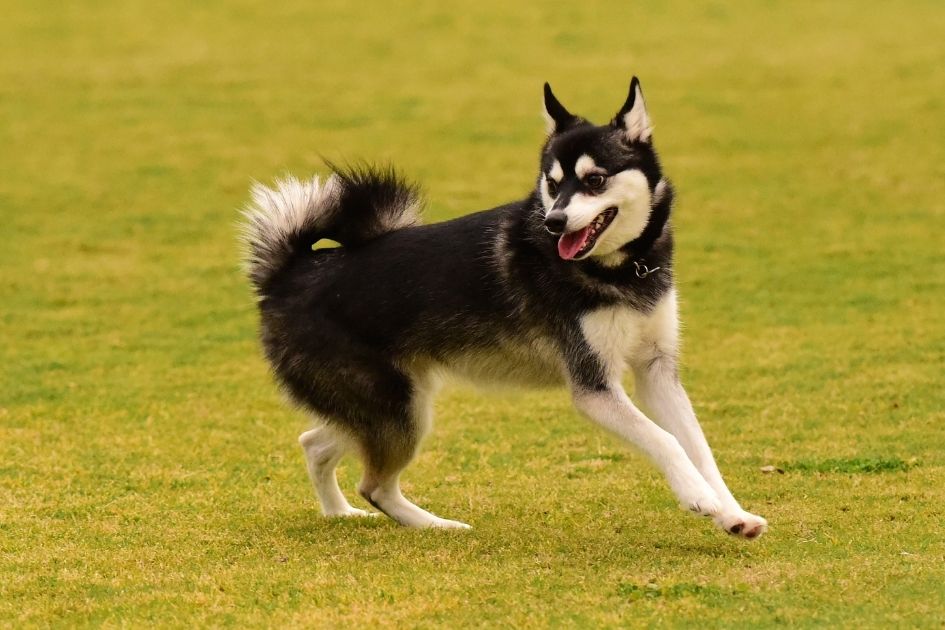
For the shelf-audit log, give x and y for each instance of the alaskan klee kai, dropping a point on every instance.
(571, 285)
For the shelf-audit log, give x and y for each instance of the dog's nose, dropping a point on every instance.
(555, 221)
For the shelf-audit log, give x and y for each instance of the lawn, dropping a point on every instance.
(149, 470)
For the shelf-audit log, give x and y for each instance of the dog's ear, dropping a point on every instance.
(632, 117)
(557, 118)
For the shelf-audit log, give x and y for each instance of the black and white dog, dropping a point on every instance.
(571, 285)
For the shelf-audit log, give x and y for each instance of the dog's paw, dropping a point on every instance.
(695, 495)
(706, 505)
(743, 524)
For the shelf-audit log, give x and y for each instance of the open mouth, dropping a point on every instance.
(580, 242)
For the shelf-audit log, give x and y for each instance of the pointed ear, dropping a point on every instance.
(557, 118)
(632, 117)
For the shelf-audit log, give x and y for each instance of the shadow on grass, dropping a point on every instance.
(309, 524)
(496, 544)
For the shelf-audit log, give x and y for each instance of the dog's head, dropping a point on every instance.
(598, 183)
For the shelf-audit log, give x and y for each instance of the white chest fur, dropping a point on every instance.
(618, 334)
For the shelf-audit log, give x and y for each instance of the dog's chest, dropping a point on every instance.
(619, 333)
(613, 333)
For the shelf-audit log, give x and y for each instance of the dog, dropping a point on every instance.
(572, 285)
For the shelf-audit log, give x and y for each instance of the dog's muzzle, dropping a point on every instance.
(555, 221)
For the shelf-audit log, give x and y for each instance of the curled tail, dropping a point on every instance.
(352, 206)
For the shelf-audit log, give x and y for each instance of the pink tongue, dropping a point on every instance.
(570, 244)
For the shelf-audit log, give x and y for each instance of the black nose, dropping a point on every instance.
(555, 221)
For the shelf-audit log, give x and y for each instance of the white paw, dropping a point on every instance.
(696, 495)
(349, 512)
(442, 523)
(699, 498)
(706, 505)
(741, 523)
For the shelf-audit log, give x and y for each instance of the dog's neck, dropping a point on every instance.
(638, 249)
(645, 254)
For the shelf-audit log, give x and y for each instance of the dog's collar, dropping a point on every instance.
(642, 270)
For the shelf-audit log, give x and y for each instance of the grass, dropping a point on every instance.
(149, 473)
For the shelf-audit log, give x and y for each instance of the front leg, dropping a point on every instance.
(662, 395)
(611, 408)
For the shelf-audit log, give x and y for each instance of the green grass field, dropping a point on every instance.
(149, 470)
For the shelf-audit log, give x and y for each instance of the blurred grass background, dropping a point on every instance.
(149, 472)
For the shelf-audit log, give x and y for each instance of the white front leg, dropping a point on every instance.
(663, 396)
(613, 410)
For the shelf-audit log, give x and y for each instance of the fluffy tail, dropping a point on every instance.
(353, 206)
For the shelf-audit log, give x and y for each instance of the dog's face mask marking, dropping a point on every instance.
(598, 183)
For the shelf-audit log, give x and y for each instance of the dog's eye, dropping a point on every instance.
(552, 187)
(594, 181)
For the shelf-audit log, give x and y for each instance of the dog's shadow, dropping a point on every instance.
(308, 526)
(306, 523)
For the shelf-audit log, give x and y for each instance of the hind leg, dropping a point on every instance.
(381, 488)
(323, 450)
(387, 453)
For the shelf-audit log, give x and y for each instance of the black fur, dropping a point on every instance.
(364, 203)
(562, 118)
(371, 199)
(628, 104)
